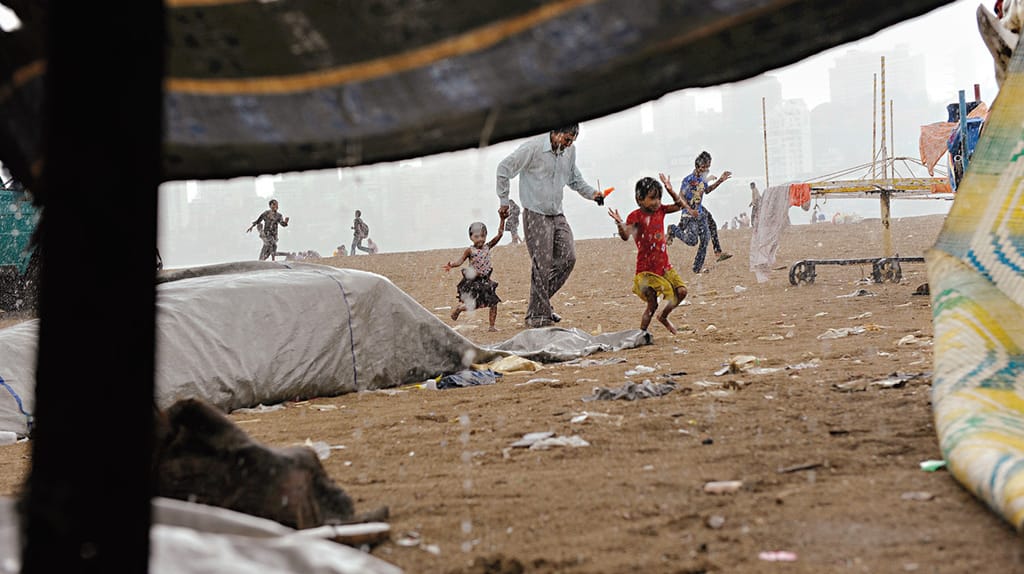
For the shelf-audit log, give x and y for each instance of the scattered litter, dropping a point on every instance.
(722, 371)
(911, 340)
(260, 408)
(594, 416)
(772, 337)
(322, 449)
(777, 556)
(530, 438)
(723, 486)
(581, 362)
(464, 378)
(714, 521)
(739, 288)
(648, 468)
(762, 370)
(919, 496)
(324, 407)
(679, 351)
(445, 308)
(546, 440)
(388, 392)
(537, 380)
(710, 329)
(586, 380)
(639, 370)
(799, 467)
(740, 363)
(821, 314)
(932, 465)
(863, 315)
(922, 289)
(841, 332)
(511, 364)
(431, 548)
(857, 293)
(409, 539)
(631, 391)
(812, 364)
(893, 381)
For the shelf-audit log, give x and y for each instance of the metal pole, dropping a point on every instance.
(963, 133)
(764, 126)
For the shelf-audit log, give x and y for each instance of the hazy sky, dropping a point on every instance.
(941, 35)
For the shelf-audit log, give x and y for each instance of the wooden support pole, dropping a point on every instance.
(87, 500)
(764, 127)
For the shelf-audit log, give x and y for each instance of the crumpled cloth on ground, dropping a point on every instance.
(632, 391)
(468, 378)
(511, 364)
(555, 344)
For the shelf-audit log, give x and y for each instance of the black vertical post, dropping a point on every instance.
(88, 492)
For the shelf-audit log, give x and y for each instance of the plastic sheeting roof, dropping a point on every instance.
(264, 87)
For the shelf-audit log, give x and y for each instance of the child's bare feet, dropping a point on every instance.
(663, 319)
(456, 312)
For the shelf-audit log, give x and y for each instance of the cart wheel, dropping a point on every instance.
(887, 270)
(801, 272)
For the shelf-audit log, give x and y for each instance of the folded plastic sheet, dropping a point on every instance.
(188, 538)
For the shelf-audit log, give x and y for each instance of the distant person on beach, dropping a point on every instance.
(755, 204)
(268, 222)
(476, 290)
(360, 231)
(545, 164)
(371, 246)
(340, 251)
(654, 274)
(692, 190)
(744, 221)
(512, 224)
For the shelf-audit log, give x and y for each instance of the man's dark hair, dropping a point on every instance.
(645, 187)
(573, 129)
(703, 159)
(271, 202)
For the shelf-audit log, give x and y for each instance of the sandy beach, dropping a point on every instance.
(826, 433)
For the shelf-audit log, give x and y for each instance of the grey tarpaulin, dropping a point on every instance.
(241, 339)
(188, 538)
(238, 335)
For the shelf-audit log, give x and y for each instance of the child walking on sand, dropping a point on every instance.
(477, 289)
(654, 274)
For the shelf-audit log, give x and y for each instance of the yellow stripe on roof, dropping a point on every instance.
(467, 43)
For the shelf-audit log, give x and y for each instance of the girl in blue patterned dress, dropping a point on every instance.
(477, 289)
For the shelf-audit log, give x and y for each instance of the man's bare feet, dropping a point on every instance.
(663, 319)
(492, 329)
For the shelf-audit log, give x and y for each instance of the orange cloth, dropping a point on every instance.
(941, 188)
(799, 193)
(932, 142)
